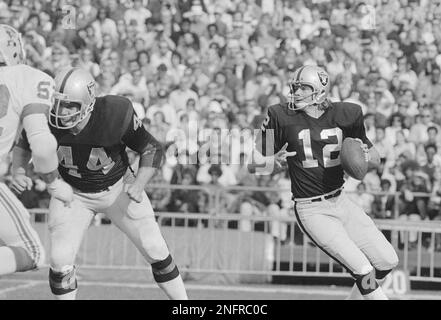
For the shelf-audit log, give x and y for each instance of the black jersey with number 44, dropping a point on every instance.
(96, 158)
(316, 168)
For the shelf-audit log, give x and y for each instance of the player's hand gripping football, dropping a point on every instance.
(20, 182)
(365, 149)
(280, 157)
(134, 192)
(61, 190)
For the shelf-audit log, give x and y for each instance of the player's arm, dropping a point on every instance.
(359, 132)
(36, 104)
(151, 154)
(43, 145)
(21, 156)
(268, 154)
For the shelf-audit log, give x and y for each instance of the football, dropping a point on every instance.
(353, 159)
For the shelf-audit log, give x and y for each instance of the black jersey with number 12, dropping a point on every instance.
(316, 168)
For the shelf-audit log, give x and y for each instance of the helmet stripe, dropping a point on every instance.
(300, 73)
(63, 84)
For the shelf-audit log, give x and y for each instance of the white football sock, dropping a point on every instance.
(377, 294)
(174, 289)
(355, 294)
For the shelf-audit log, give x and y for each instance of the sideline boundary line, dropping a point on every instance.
(26, 285)
(225, 288)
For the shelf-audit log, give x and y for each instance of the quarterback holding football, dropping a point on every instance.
(92, 134)
(308, 133)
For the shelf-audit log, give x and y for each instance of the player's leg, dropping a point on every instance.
(20, 246)
(371, 241)
(67, 226)
(138, 222)
(322, 223)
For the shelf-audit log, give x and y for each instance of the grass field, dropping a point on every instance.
(34, 286)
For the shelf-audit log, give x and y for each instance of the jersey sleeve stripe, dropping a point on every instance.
(34, 108)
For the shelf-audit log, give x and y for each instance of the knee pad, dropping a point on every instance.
(165, 270)
(63, 281)
(381, 274)
(366, 282)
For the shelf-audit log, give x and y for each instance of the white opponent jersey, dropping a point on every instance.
(23, 90)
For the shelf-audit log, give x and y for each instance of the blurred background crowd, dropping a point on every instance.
(211, 66)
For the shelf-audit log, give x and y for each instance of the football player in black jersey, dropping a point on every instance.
(307, 133)
(92, 135)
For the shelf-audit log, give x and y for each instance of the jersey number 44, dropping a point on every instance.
(98, 160)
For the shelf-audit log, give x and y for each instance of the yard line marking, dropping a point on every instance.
(28, 284)
(303, 291)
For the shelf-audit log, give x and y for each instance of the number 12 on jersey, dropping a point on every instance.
(310, 162)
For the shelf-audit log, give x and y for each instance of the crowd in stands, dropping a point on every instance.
(202, 67)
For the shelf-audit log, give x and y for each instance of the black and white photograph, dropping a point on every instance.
(222, 156)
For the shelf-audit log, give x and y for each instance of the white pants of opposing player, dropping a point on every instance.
(17, 233)
(347, 234)
(67, 226)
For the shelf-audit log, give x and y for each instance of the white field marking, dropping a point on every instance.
(299, 291)
(27, 284)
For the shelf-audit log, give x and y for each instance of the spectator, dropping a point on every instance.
(159, 197)
(411, 207)
(363, 199)
(385, 149)
(105, 25)
(86, 62)
(383, 205)
(158, 126)
(433, 162)
(429, 87)
(418, 131)
(184, 200)
(178, 98)
(253, 203)
(164, 107)
(137, 15)
(226, 178)
(405, 74)
(133, 82)
(402, 146)
(86, 14)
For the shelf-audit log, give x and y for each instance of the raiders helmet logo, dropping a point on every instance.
(323, 78)
(91, 89)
